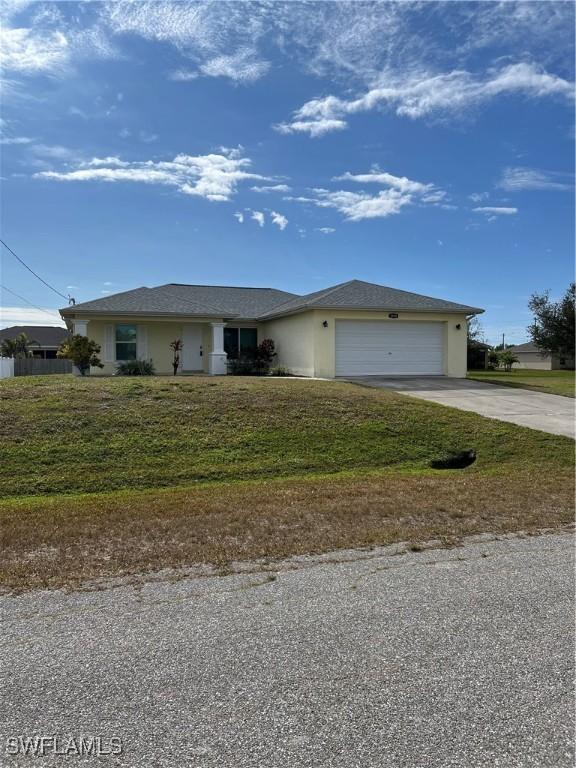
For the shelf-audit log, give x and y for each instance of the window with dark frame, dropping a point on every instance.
(240, 342)
(126, 342)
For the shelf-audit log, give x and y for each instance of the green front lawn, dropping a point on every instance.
(69, 435)
(553, 382)
(118, 476)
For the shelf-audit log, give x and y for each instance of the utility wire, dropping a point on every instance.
(34, 273)
(46, 312)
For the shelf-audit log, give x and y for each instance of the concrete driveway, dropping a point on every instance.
(548, 413)
(449, 658)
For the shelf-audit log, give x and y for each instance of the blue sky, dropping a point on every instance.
(426, 146)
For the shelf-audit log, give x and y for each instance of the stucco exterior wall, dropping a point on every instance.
(159, 334)
(303, 344)
(533, 361)
(294, 341)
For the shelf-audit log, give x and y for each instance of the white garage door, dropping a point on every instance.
(389, 348)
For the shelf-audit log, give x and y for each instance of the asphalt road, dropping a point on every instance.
(537, 410)
(457, 657)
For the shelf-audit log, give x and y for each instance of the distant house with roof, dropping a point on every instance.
(45, 339)
(530, 358)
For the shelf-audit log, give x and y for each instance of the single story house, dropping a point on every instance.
(530, 357)
(45, 339)
(351, 329)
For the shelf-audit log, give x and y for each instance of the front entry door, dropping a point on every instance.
(192, 347)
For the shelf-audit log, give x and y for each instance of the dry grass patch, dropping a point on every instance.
(70, 540)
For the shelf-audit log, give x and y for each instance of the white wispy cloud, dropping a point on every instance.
(16, 140)
(516, 179)
(399, 192)
(28, 51)
(241, 66)
(279, 219)
(477, 197)
(315, 127)
(376, 176)
(496, 210)
(183, 75)
(271, 188)
(350, 42)
(326, 230)
(239, 216)
(214, 176)
(29, 316)
(426, 95)
(220, 38)
(258, 217)
(356, 206)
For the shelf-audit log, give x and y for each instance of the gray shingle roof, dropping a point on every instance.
(260, 303)
(178, 299)
(529, 346)
(357, 294)
(44, 335)
(241, 302)
(143, 301)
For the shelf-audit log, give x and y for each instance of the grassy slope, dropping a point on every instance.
(64, 435)
(553, 382)
(224, 469)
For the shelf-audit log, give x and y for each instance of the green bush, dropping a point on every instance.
(256, 363)
(136, 368)
(245, 366)
(280, 370)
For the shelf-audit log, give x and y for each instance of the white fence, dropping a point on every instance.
(6, 367)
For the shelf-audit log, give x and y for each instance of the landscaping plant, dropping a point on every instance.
(19, 346)
(176, 347)
(136, 368)
(82, 351)
(506, 359)
(255, 363)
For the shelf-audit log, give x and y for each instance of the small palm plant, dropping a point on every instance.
(176, 347)
(19, 346)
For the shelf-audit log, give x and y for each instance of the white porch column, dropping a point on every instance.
(217, 362)
(80, 327)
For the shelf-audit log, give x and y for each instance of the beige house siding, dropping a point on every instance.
(159, 334)
(534, 361)
(293, 338)
(303, 344)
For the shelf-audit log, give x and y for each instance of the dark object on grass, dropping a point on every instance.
(459, 460)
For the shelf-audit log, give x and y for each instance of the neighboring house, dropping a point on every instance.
(45, 339)
(530, 357)
(352, 329)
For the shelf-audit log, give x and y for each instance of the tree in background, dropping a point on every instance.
(19, 346)
(553, 328)
(82, 351)
(475, 332)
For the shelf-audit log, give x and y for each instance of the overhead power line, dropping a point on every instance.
(34, 273)
(46, 312)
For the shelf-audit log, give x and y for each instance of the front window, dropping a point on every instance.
(125, 342)
(240, 342)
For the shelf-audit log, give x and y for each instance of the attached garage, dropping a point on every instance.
(389, 348)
